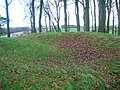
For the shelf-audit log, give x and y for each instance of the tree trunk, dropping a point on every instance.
(54, 26)
(109, 5)
(40, 16)
(95, 15)
(108, 20)
(119, 19)
(91, 15)
(33, 14)
(102, 15)
(46, 24)
(65, 15)
(49, 23)
(7, 15)
(68, 21)
(87, 16)
(77, 15)
(58, 26)
(84, 17)
(113, 23)
(115, 30)
(58, 15)
(118, 13)
(31, 23)
(119, 23)
(31, 19)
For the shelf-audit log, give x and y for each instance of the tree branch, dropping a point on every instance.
(81, 2)
(3, 6)
(116, 5)
(9, 2)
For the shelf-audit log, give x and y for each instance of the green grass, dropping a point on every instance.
(82, 30)
(72, 29)
(38, 62)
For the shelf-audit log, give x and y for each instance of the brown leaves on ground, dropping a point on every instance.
(80, 66)
(90, 48)
(83, 47)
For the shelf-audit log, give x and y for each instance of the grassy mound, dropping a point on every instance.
(60, 61)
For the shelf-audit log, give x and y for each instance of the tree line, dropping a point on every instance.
(106, 8)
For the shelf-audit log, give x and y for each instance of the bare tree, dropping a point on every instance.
(65, 15)
(57, 18)
(94, 1)
(68, 20)
(91, 14)
(118, 13)
(85, 4)
(33, 15)
(54, 15)
(77, 15)
(40, 16)
(46, 23)
(109, 6)
(31, 19)
(46, 8)
(87, 15)
(113, 21)
(102, 15)
(29, 15)
(29, 12)
(7, 16)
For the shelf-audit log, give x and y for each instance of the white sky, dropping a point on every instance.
(16, 13)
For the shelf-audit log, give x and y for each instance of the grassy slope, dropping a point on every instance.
(46, 62)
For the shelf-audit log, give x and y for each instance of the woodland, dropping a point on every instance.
(67, 57)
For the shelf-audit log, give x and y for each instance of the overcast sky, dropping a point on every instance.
(16, 12)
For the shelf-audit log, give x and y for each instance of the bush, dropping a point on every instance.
(2, 32)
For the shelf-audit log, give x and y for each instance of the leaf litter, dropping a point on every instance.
(86, 58)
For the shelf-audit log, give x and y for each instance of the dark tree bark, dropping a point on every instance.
(85, 4)
(57, 3)
(77, 15)
(118, 13)
(115, 30)
(109, 5)
(102, 16)
(40, 16)
(49, 23)
(65, 15)
(33, 15)
(113, 21)
(87, 16)
(7, 16)
(95, 15)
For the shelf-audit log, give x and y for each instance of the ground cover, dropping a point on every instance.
(60, 61)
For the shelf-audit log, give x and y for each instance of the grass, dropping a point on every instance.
(41, 62)
(82, 30)
(73, 30)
